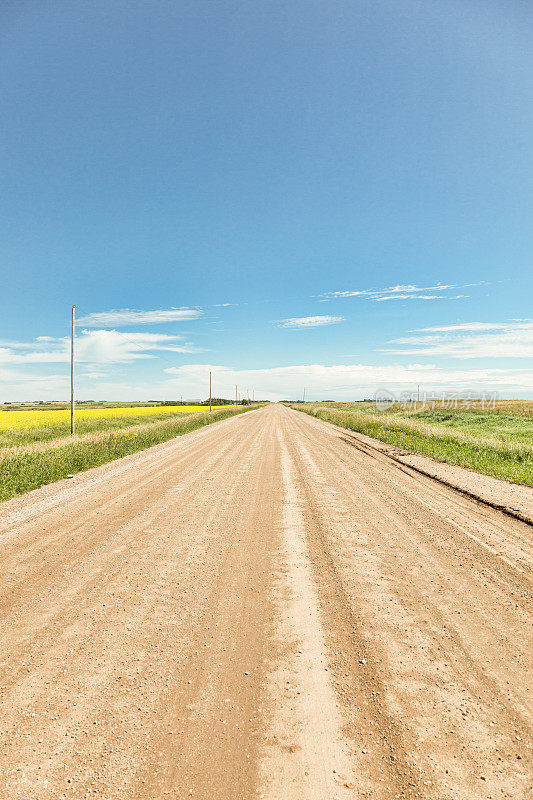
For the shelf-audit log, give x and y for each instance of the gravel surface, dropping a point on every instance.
(512, 498)
(262, 609)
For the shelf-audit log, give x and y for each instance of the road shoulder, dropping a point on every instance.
(511, 498)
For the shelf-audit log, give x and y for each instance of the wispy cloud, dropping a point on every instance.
(468, 326)
(309, 322)
(512, 339)
(407, 291)
(126, 316)
(418, 297)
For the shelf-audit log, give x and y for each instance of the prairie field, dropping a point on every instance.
(496, 441)
(36, 447)
(23, 426)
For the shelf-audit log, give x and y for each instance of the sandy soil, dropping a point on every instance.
(260, 609)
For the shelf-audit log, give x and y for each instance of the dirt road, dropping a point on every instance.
(260, 609)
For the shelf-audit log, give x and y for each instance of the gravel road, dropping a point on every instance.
(259, 609)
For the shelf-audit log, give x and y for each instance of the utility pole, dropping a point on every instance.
(235, 395)
(209, 391)
(304, 394)
(418, 394)
(72, 331)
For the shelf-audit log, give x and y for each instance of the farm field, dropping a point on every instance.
(22, 426)
(36, 446)
(261, 610)
(494, 441)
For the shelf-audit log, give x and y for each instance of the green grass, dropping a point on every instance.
(497, 442)
(33, 465)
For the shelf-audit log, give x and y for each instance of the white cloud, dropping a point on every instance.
(93, 376)
(418, 297)
(94, 347)
(342, 381)
(513, 339)
(24, 386)
(407, 291)
(469, 326)
(309, 322)
(126, 316)
(109, 346)
(336, 381)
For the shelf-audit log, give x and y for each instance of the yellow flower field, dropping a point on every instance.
(33, 456)
(19, 420)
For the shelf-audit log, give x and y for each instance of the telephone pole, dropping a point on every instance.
(209, 391)
(72, 331)
(235, 395)
(304, 394)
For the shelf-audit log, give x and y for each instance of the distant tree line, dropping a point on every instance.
(215, 401)
(222, 401)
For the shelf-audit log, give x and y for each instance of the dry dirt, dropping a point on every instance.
(259, 609)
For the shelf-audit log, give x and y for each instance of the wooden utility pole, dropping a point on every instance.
(235, 395)
(209, 391)
(304, 394)
(72, 331)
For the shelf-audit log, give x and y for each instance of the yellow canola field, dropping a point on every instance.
(16, 420)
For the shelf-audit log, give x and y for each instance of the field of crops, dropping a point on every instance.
(22, 427)
(14, 420)
(33, 456)
(496, 441)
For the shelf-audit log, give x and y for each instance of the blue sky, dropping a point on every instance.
(331, 195)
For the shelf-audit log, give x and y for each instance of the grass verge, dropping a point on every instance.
(490, 449)
(28, 467)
